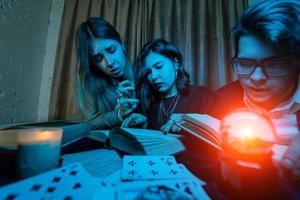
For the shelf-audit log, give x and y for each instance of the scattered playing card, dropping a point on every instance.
(114, 179)
(160, 189)
(160, 176)
(190, 175)
(150, 167)
(107, 193)
(69, 182)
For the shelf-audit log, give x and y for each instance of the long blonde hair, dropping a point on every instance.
(89, 83)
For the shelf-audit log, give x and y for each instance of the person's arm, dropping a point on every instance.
(136, 120)
(99, 120)
(291, 158)
(200, 101)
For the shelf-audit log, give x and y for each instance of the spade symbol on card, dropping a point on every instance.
(132, 172)
(174, 172)
(150, 167)
(151, 163)
(153, 172)
(132, 163)
(169, 163)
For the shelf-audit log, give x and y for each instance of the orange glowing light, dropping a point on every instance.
(248, 131)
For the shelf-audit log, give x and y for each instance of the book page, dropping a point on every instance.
(147, 132)
(99, 135)
(145, 141)
(203, 127)
(203, 120)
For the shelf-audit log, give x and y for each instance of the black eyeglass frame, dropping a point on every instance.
(263, 63)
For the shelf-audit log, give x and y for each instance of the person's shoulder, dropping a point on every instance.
(228, 98)
(198, 100)
(198, 92)
(199, 89)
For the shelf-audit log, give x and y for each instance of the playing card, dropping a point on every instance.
(150, 167)
(71, 181)
(193, 188)
(104, 192)
(160, 189)
(114, 179)
(190, 175)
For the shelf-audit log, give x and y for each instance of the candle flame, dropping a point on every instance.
(38, 135)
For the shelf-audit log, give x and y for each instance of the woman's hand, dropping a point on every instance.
(134, 120)
(127, 106)
(126, 88)
(126, 101)
(171, 126)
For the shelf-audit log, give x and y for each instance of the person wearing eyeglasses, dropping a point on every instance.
(267, 62)
(104, 78)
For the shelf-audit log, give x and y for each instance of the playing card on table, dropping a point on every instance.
(114, 179)
(69, 182)
(160, 189)
(106, 192)
(150, 167)
(190, 175)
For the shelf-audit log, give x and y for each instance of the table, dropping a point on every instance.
(201, 166)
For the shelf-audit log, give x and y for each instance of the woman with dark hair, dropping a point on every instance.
(165, 93)
(104, 80)
(163, 86)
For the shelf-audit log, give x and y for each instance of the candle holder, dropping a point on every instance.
(38, 150)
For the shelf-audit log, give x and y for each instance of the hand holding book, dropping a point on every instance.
(126, 100)
(171, 125)
(134, 120)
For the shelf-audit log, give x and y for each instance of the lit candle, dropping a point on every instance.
(38, 150)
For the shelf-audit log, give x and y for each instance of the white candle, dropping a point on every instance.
(38, 150)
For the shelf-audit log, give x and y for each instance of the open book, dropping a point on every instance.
(202, 126)
(139, 141)
(206, 128)
(72, 131)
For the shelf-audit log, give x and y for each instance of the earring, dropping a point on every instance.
(176, 60)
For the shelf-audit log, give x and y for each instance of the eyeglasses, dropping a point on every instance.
(274, 66)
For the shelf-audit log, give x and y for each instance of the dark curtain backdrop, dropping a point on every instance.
(200, 29)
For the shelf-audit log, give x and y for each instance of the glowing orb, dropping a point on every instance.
(247, 131)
